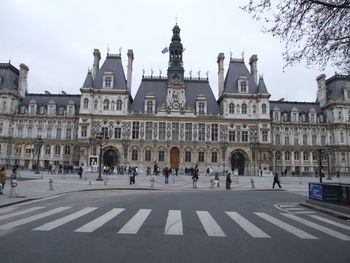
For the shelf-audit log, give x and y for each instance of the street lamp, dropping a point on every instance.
(38, 142)
(99, 140)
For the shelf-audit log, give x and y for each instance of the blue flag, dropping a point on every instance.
(165, 50)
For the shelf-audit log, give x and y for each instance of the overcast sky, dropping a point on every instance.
(55, 39)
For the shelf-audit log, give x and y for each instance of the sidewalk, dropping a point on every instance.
(33, 186)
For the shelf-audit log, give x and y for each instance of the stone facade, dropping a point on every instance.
(175, 120)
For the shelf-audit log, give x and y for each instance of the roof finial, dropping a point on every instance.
(190, 74)
(230, 54)
(143, 71)
(243, 55)
(160, 72)
(176, 20)
(199, 73)
(120, 51)
(107, 48)
(207, 73)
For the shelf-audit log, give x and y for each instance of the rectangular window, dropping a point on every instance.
(30, 132)
(296, 141)
(161, 156)
(306, 156)
(214, 132)
(148, 131)
(323, 140)
(201, 132)
(51, 110)
(286, 140)
(83, 131)
(214, 157)
(117, 133)
(264, 136)
(58, 133)
(313, 139)
(304, 139)
(161, 135)
(68, 134)
(135, 130)
(20, 132)
(104, 131)
(200, 157)
(187, 156)
(314, 156)
(175, 131)
(49, 132)
(232, 136)
(134, 155)
(244, 136)
(188, 132)
(278, 139)
(148, 156)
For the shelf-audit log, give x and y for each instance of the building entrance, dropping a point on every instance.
(110, 158)
(174, 157)
(238, 162)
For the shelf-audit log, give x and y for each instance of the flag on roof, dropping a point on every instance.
(165, 50)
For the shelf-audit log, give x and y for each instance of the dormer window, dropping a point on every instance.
(243, 86)
(119, 104)
(149, 106)
(263, 108)
(201, 108)
(86, 103)
(244, 108)
(108, 80)
(276, 116)
(231, 108)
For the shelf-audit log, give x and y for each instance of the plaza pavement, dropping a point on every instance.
(33, 186)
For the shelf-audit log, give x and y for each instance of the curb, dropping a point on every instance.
(326, 210)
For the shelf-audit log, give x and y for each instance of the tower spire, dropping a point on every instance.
(175, 69)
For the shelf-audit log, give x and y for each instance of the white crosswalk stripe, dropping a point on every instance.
(61, 221)
(323, 229)
(100, 221)
(346, 227)
(287, 227)
(32, 218)
(135, 223)
(211, 227)
(22, 212)
(174, 223)
(252, 230)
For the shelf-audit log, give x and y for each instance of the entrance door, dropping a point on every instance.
(110, 158)
(237, 162)
(174, 157)
(26, 163)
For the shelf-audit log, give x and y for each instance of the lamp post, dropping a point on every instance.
(38, 142)
(100, 137)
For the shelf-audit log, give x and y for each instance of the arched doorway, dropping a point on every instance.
(110, 158)
(238, 162)
(174, 157)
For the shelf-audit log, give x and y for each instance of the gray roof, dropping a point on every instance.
(88, 83)
(287, 106)
(335, 86)
(113, 63)
(158, 88)
(9, 76)
(61, 100)
(236, 69)
(261, 86)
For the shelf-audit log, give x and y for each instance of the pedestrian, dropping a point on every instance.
(261, 173)
(134, 173)
(228, 181)
(80, 172)
(285, 172)
(2, 179)
(14, 173)
(195, 176)
(216, 180)
(276, 181)
(166, 172)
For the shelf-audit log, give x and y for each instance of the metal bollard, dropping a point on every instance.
(51, 184)
(152, 182)
(89, 182)
(13, 184)
(211, 183)
(252, 183)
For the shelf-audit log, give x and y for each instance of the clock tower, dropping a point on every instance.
(176, 92)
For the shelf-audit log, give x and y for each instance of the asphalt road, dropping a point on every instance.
(157, 226)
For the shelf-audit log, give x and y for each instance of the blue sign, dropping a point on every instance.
(316, 191)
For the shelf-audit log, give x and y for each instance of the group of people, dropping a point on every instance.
(3, 177)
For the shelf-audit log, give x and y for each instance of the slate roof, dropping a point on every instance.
(287, 106)
(236, 69)
(158, 88)
(9, 76)
(88, 83)
(261, 86)
(60, 99)
(113, 63)
(335, 86)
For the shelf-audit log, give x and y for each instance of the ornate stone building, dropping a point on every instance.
(174, 120)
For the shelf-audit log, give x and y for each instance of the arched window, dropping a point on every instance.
(287, 155)
(108, 82)
(243, 86)
(278, 155)
(149, 106)
(134, 154)
(47, 149)
(244, 108)
(341, 137)
(296, 155)
(112, 105)
(263, 108)
(95, 104)
(254, 109)
(231, 108)
(119, 104)
(57, 149)
(66, 149)
(106, 105)
(4, 105)
(86, 103)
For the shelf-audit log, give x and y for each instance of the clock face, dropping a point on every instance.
(176, 105)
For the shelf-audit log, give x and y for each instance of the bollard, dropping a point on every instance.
(13, 184)
(152, 182)
(51, 184)
(211, 183)
(252, 182)
(89, 182)
(105, 182)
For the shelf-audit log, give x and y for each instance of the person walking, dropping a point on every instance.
(195, 177)
(276, 181)
(2, 179)
(166, 175)
(80, 172)
(228, 181)
(217, 180)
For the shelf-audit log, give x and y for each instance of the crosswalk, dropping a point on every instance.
(252, 224)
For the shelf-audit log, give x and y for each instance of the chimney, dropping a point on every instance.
(254, 68)
(96, 65)
(23, 83)
(321, 81)
(129, 73)
(220, 61)
(321, 90)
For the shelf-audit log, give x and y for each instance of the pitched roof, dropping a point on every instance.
(88, 83)
(113, 63)
(287, 106)
(9, 76)
(261, 86)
